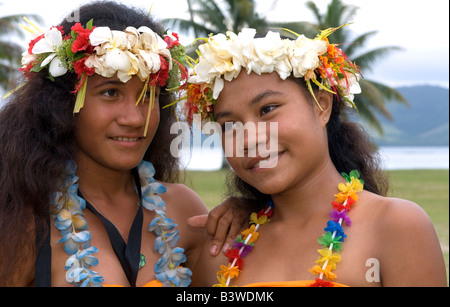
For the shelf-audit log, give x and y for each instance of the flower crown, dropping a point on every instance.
(222, 57)
(91, 50)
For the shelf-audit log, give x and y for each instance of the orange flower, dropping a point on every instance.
(250, 231)
(316, 270)
(229, 271)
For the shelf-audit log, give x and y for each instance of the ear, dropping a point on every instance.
(325, 100)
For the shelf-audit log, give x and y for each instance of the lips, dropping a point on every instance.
(267, 162)
(126, 139)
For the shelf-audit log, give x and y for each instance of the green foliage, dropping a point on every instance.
(10, 51)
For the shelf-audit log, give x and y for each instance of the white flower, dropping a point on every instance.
(351, 88)
(50, 43)
(304, 55)
(271, 51)
(27, 59)
(112, 55)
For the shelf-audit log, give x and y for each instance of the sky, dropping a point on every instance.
(420, 27)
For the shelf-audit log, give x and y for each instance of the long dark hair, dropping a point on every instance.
(349, 146)
(37, 139)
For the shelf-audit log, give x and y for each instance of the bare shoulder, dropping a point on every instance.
(397, 213)
(409, 249)
(182, 200)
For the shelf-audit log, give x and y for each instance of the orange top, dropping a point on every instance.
(295, 283)
(153, 283)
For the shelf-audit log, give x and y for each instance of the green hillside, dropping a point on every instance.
(424, 123)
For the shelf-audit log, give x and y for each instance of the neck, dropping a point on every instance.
(101, 182)
(310, 198)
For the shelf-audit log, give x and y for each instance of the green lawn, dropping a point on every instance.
(428, 188)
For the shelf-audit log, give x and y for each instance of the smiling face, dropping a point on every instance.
(302, 141)
(110, 127)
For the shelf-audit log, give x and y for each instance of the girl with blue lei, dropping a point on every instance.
(88, 183)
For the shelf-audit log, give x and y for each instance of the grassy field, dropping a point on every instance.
(428, 188)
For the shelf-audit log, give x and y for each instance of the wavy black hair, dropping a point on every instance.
(37, 139)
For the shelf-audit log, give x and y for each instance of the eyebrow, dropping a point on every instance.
(109, 82)
(264, 95)
(258, 98)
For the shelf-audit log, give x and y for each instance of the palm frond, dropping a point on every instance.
(391, 94)
(9, 24)
(375, 97)
(315, 10)
(358, 43)
(368, 59)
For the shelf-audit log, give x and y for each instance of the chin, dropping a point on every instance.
(126, 163)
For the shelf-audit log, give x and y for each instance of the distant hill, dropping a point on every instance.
(424, 123)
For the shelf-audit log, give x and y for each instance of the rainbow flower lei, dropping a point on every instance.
(67, 211)
(331, 240)
(334, 233)
(243, 245)
(222, 57)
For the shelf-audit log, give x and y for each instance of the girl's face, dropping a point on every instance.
(110, 127)
(302, 141)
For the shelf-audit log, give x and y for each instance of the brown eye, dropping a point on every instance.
(267, 109)
(110, 93)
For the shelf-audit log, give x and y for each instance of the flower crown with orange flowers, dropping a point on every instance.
(91, 50)
(222, 57)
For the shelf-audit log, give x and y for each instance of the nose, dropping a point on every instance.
(249, 139)
(256, 139)
(132, 115)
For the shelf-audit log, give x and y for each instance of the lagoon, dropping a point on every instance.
(392, 157)
(406, 157)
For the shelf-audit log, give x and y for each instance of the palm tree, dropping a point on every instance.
(10, 51)
(235, 15)
(375, 95)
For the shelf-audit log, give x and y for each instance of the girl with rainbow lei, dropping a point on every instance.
(89, 195)
(321, 162)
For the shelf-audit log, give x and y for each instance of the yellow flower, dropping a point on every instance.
(326, 254)
(349, 189)
(261, 220)
(222, 281)
(250, 231)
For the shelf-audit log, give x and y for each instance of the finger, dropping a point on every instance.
(221, 234)
(213, 219)
(198, 221)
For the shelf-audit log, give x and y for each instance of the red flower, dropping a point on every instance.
(82, 42)
(160, 78)
(81, 68)
(339, 207)
(321, 283)
(232, 254)
(170, 42)
(33, 42)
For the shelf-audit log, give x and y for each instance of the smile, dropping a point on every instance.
(270, 162)
(125, 139)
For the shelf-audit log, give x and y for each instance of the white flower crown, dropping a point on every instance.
(222, 57)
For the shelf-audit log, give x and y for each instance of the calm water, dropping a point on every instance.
(415, 157)
(392, 158)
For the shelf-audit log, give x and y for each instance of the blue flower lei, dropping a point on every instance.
(67, 212)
